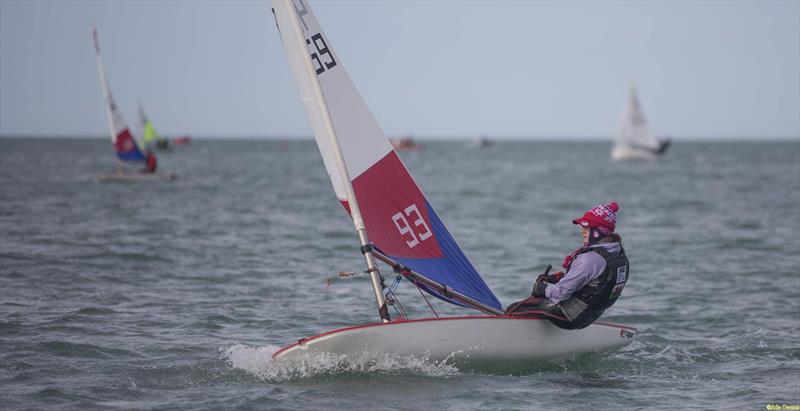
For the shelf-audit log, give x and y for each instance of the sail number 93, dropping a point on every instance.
(418, 232)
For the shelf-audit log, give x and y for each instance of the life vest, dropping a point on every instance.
(150, 164)
(588, 304)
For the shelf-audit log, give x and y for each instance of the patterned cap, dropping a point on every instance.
(603, 216)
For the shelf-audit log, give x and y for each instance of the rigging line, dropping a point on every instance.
(397, 302)
(392, 299)
(426, 298)
(401, 311)
(405, 272)
(396, 282)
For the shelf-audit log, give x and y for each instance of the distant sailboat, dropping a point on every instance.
(126, 146)
(633, 139)
(407, 143)
(482, 141)
(181, 141)
(150, 136)
(396, 224)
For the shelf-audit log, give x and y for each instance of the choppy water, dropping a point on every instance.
(174, 295)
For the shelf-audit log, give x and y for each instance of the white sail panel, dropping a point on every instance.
(634, 131)
(115, 121)
(360, 137)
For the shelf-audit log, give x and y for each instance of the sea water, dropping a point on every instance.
(174, 295)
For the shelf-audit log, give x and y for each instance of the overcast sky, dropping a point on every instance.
(526, 69)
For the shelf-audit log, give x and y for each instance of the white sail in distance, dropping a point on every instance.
(634, 132)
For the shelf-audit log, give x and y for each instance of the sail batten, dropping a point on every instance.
(367, 175)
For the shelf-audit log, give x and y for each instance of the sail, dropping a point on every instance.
(397, 215)
(149, 134)
(124, 143)
(633, 130)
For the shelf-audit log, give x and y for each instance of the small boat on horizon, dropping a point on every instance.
(181, 140)
(407, 143)
(633, 139)
(482, 141)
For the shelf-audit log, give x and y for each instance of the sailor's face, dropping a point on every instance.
(585, 234)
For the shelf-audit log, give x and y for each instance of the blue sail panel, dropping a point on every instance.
(452, 269)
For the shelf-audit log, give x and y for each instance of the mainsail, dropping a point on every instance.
(149, 134)
(396, 214)
(633, 129)
(123, 140)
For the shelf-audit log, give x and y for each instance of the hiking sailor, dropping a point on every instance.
(595, 274)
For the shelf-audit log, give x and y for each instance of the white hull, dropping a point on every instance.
(135, 177)
(493, 342)
(630, 153)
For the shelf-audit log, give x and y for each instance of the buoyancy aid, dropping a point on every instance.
(150, 163)
(588, 303)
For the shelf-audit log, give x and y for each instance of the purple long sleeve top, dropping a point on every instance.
(585, 268)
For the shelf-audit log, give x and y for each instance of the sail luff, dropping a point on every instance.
(344, 175)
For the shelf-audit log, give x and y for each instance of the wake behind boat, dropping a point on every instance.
(633, 139)
(127, 148)
(405, 233)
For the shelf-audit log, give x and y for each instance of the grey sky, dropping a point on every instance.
(441, 68)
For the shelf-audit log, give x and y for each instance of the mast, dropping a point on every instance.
(344, 175)
(104, 84)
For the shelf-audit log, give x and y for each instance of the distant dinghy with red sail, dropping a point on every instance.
(396, 225)
(128, 151)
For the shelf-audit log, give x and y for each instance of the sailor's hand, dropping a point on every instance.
(555, 277)
(539, 286)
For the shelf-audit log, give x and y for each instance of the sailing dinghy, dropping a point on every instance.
(128, 150)
(150, 136)
(634, 140)
(396, 225)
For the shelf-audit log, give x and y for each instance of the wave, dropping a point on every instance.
(258, 362)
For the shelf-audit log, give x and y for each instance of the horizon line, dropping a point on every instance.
(432, 137)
